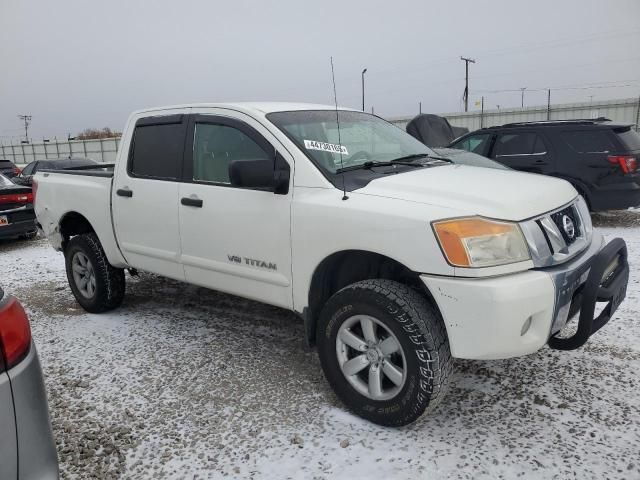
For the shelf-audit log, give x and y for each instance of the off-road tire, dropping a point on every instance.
(420, 330)
(110, 282)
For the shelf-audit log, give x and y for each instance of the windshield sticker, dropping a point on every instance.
(325, 147)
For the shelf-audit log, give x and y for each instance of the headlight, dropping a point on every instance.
(478, 242)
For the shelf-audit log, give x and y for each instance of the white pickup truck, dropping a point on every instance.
(396, 259)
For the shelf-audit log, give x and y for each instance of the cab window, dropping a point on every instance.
(216, 146)
(28, 170)
(157, 148)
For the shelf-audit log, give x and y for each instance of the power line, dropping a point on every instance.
(429, 63)
(566, 87)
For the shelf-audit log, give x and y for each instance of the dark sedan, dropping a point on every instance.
(17, 218)
(8, 168)
(26, 176)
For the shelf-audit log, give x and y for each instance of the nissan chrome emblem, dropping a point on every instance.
(569, 227)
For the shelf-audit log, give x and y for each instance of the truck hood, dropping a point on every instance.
(501, 194)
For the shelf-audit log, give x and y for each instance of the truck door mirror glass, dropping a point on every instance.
(261, 174)
(252, 174)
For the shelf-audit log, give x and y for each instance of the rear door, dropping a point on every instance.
(236, 240)
(145, 196)
(587, 155)
(522, 150)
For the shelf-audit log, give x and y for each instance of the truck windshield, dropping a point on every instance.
(363, 138)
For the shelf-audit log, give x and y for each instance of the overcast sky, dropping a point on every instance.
(78, 64)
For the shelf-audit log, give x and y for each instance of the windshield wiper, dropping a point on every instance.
(371, 164)
(415, 156)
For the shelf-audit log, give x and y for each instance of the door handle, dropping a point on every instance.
(191, 202)
(124, 192)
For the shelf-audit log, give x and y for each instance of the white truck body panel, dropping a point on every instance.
(295, 232)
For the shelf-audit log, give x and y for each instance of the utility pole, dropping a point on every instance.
(482, 113)
(363, 72)
(27, 120)
(420, 108)
(522, 97)
(466, 81)
(549, 104)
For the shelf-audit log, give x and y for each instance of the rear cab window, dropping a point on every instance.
(157, 148)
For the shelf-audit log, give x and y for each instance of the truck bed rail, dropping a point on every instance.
(104, 170)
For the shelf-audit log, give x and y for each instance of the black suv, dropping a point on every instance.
(598, 157)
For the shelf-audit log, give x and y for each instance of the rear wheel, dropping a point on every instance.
(96, 284)
(384, 350)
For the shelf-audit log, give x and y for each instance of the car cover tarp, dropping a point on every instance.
(459, 131)
(432, 130)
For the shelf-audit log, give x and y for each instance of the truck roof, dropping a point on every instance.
(250, 107)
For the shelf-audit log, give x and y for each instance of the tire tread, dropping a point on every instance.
(428, 323)
(111, 279)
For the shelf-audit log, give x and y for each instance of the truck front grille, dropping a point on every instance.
(559, 235)
(568, 222)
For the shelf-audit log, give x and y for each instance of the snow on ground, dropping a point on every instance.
(182, 382)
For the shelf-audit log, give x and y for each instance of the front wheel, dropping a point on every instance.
(384, 350)
(97, 285)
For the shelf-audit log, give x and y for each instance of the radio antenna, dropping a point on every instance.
(335, 100)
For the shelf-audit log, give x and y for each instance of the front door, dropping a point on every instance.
(236, 240)
(145, 197)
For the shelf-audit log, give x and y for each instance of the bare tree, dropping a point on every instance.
(93, 133)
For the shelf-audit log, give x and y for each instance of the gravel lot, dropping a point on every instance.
(182, 382)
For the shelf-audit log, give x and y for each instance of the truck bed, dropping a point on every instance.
(87, 193)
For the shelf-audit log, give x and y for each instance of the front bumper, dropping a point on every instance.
(617, 196)
(514, 315)
(17, 229)
(22, 220)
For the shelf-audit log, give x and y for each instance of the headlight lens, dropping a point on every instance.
(478, 242)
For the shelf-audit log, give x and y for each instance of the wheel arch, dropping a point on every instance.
(73, 223)
(345, 267)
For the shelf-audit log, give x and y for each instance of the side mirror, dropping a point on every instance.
(261, 174)
(251, 174)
